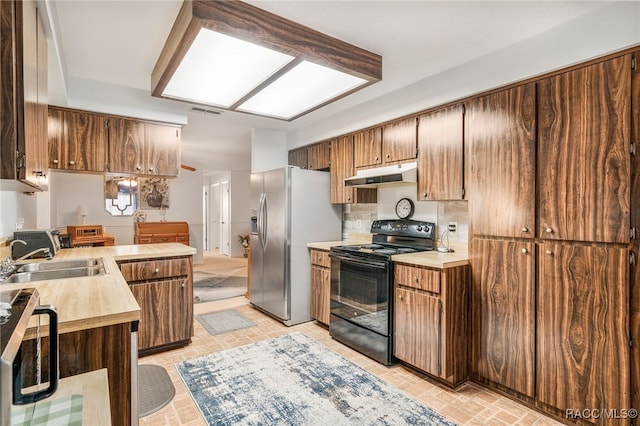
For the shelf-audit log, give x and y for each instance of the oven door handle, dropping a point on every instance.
(369, 263)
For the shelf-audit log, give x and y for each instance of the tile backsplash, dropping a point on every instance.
(357, 218)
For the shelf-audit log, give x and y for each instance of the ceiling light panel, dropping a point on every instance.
(219, 70)
(303, 87)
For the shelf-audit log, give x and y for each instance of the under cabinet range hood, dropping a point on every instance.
(399, 173)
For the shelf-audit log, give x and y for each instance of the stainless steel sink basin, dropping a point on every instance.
(54, 274)
(62, 264)
(40, 271)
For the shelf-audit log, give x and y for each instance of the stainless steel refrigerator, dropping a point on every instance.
(290, 207)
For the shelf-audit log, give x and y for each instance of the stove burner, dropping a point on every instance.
(386, 251)
(406, 250)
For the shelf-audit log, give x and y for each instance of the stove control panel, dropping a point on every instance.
(404, 227)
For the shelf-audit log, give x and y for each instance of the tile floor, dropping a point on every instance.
(469, 405)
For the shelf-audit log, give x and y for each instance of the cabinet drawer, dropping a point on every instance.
(155, 269)
(168, 238)
(184, 239)
(143, 240)
(418, 278)
(320, 258)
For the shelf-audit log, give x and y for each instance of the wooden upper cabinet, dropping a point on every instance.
(500, 170)
(126, 146)
(582, 327)
(503, 313)
(143, 148)
(341, 168)
(162, 145)
(77, 140)
(399, 140)
(368, 147)
(583, 153)
(318, 157)
(298, 157)
(23, 80)
(440, 154)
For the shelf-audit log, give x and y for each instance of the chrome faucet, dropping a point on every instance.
(8, 266)
(44, 250)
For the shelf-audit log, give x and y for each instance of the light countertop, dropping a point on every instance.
(432, 259)
(100, 300)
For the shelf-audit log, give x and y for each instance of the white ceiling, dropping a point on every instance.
(115, 44)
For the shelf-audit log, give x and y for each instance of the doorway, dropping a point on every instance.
(213, 217)
(225, 226)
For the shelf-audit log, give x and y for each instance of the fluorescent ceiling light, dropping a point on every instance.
(236, 56)
(305, 86)
(219, 70)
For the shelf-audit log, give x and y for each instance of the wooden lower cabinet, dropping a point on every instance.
(161, 232)
(503, 313)
(430, 320)
(164, 290)
(583, 352)
(320, 285)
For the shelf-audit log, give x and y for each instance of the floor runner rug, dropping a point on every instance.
(224, 321)
(293, 380)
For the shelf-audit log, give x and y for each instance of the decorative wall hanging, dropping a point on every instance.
(154, 193)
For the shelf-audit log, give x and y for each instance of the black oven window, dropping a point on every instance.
(362, 296)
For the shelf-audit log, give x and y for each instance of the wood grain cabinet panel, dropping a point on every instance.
(430, 320)
(503, 313)
(166, 312)
(320, 285)
(155, 269)
(162, 144)
(583, 153)
(23, 96)
(318, 156)
(342, 168)
(501, 142)
(400, 140)
(298, 157)
(368, 147)
(583, 320)
(440, 154)
(417, 330)
(77, 140)
(126, 146)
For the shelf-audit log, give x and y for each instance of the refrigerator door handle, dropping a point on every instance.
(265, 222)
(259, 222)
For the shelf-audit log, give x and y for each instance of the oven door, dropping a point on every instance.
(360, 304)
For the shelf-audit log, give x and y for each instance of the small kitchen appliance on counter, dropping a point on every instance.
(362, 285)
(35, 239)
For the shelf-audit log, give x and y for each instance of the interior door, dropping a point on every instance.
(214, 218)
(225, 228)
(277, 239)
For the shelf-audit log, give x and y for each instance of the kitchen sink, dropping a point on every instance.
(62, 264)
(41, 271)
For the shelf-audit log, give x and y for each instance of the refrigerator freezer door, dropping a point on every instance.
(257, 255)
(276, 248)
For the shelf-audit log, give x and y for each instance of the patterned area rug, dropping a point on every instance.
(293, 380)
(224, 321)
(209, 287)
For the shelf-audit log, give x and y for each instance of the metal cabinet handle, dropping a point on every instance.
(377, 158)
(549, 252)
(150, 169)
(417, 280)
(138, 168)
(55, 162)
(524, 250)
(73, 163)
(156, 271)
(524, 229)
(548, 231)
(388, 155)
(424, 194)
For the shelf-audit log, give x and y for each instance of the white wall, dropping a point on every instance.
(268, 150)
(612, 27)
(70, 190)
(17, 207)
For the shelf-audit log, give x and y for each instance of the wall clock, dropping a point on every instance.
(404, 208)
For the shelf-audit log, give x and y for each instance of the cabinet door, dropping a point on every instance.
(341, 168)
(320, 296)
(56, 136)
(399, 140)
(298, 157)
(368, 147)
(440, 149)
(162, 145)
(501, 138)
(318, 156)
(583, 335)
(84, 144)
(583, 157)
(503, 313)
(166, 312)
(417, 330)
(126, 146)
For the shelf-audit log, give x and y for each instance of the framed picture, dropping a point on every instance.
(154, 193)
